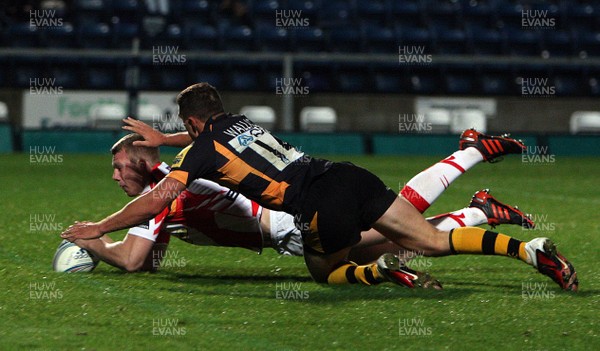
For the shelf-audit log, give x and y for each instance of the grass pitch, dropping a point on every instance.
(217, 298)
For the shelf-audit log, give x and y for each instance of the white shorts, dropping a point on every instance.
(286, 238)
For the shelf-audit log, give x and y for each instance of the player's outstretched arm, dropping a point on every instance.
(153, 137)
(129, 254)
(142, 208)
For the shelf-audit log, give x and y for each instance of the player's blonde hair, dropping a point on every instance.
(136, 153)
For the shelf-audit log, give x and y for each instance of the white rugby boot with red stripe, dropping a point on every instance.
(490, 147)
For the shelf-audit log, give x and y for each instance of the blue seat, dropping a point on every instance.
(444, 13)
(336, 12)
(194, 12)
(588, 43)
(208, 71)
(536, 73)
(271, 72)
(124, 34)
(309, 39)
(264, 12)
(173, 78)
(202, 38)
(520, 42)
(238, 38)
(558, 43)
(390, 78)
(416, 36)
(194, 7)
(317, 76)
(90, 11)
(511, 14)
(309, 9)
(425, 79)
(481, 13)
(101, 74)
(172, 36)
(497, 80)
(407, 13)
(59, 37)
(22, 35)
(592, 75)
(569, 80)
(460, 79)
(275, 39)
(95, 36)
(451, 41)
(345, 40)
(374, 12)
(244, 76)
(67, 74)
(380, 40)
(485, 41)
(353, 78)
(24, 71)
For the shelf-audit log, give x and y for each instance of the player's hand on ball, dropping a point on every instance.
(152, 137)
(82, 230)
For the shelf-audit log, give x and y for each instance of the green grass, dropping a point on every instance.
(226, 298)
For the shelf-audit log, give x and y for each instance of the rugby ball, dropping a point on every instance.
(71, 258)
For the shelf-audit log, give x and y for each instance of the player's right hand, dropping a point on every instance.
(152, 137)
(82, 230)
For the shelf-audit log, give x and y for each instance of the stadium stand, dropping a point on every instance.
(440, 27)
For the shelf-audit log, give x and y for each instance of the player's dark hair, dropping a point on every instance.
(200, 100)
(135, 153)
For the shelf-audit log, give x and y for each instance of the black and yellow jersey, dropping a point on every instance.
(240, 155)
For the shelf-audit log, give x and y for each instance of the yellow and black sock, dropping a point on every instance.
(351, 273)
(472, 240)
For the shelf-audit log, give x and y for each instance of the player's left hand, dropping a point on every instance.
(82, 230)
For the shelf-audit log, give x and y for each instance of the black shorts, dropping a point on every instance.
(340, 204)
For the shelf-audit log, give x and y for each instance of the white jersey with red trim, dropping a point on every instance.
(207, 214)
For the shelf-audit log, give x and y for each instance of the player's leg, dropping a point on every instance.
(474, 147)
(332, 220)
(401, 224)
(483, 208)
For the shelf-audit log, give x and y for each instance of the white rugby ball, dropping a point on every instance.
(71, 258)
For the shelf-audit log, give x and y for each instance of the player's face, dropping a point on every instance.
(132, 177)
